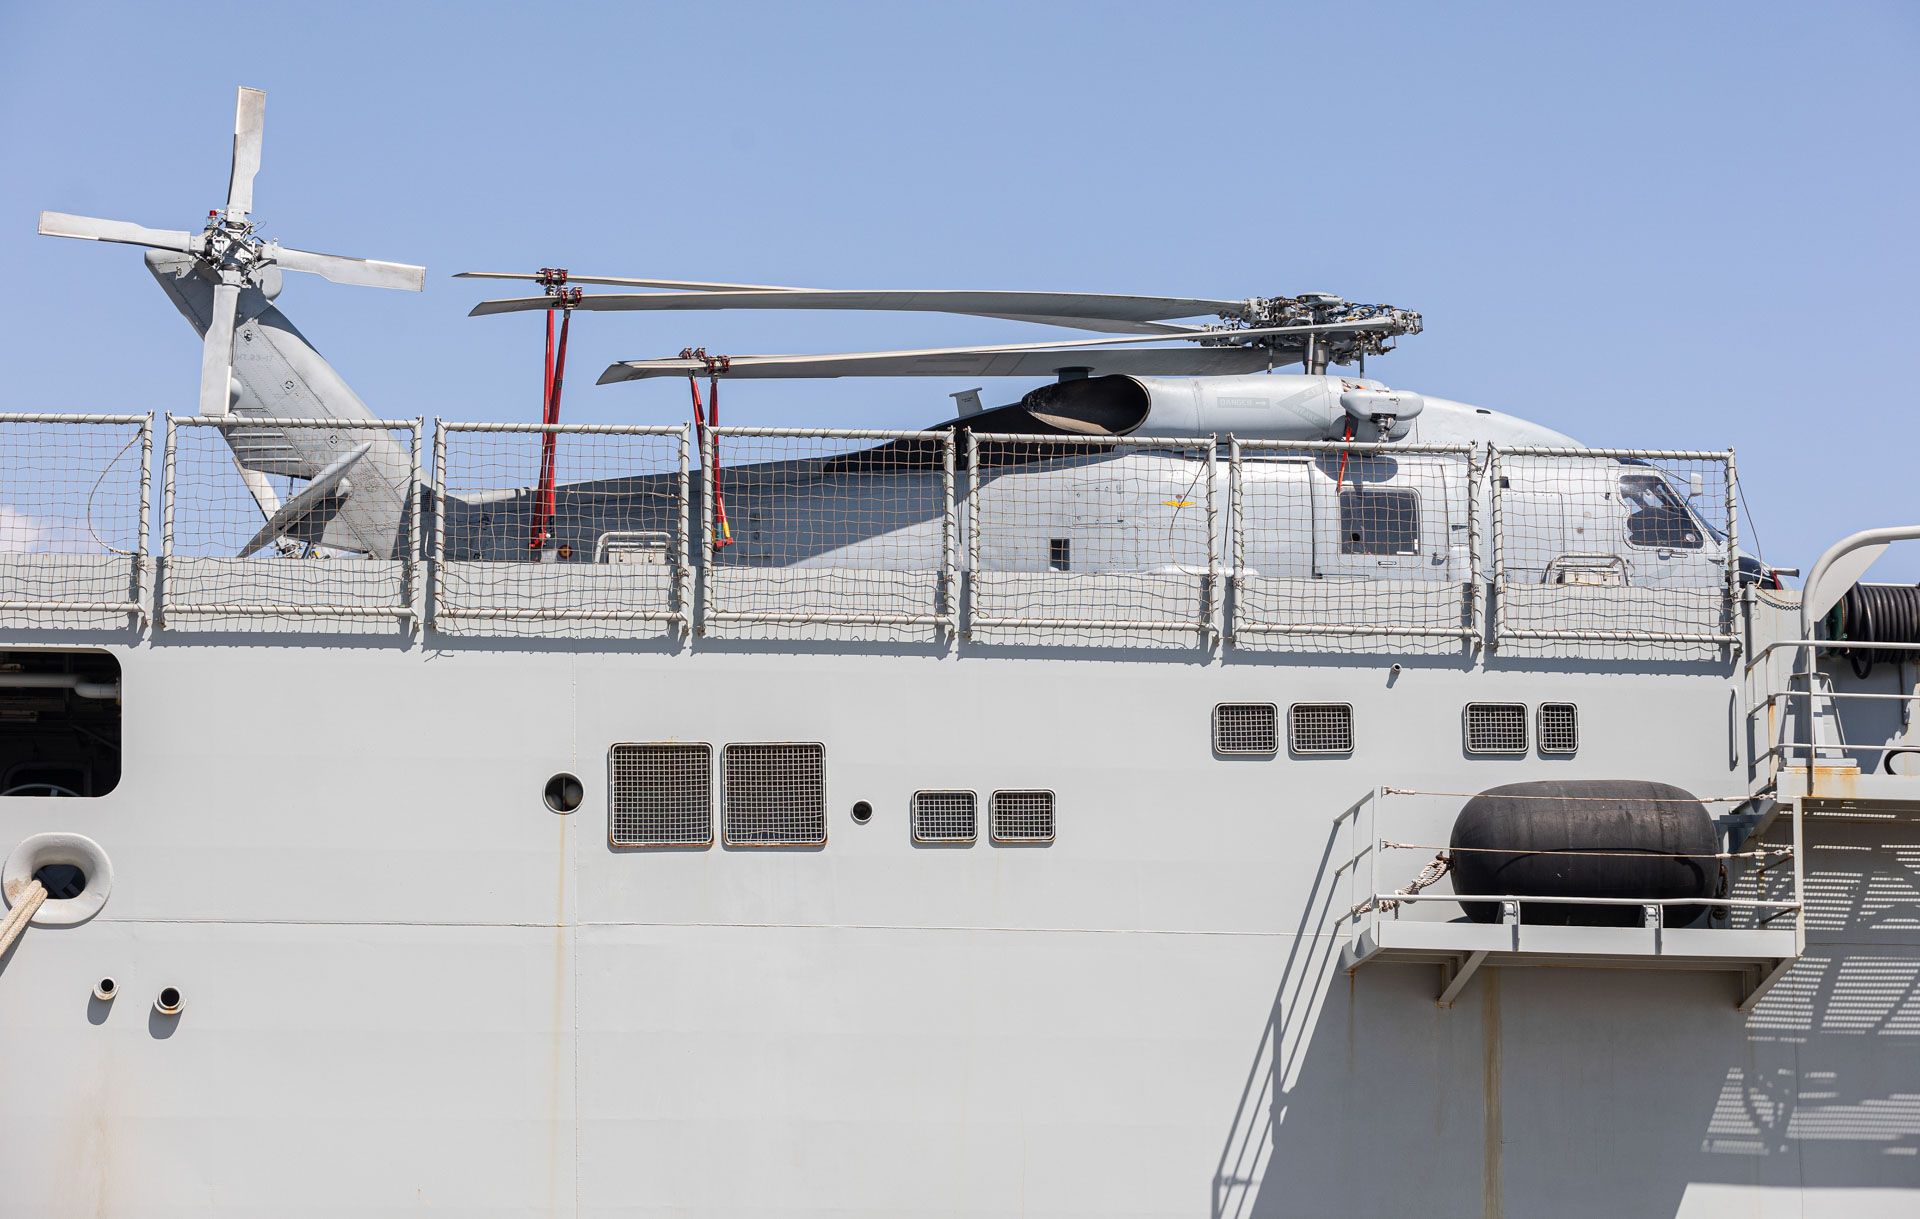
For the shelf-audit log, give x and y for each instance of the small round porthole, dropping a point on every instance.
(564, 792)
(862, 812)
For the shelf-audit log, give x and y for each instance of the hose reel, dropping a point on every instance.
(1875, 613)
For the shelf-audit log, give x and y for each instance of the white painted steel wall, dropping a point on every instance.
(411, 987)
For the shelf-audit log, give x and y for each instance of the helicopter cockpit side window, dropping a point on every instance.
(1374, 520)
(1656, 517)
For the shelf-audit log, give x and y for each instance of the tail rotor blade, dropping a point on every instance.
(216, 357)
(249, 119)
(91, 228)
(366, 272)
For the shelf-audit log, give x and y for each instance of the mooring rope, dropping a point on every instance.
(1436, 868)
(26, 903)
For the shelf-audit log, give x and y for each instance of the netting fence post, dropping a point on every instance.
(974, 485)
(706, 518)
(166, 517)
(683, 579)
(1475, 576)
(949, 543)
(142, 585)
(412, 586)
(1236, 524)
(1498, 583)
(1215, 600)
(436, 581)
(1730, 623)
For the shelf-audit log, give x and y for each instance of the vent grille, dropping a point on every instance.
(776, 795)
(1023, 816)
(660, 795)
(1246, 728)
(1559, 728)
(1320, 728)
(1496, 727)
(945, 816)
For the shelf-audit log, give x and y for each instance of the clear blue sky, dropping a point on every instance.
(1660, 225)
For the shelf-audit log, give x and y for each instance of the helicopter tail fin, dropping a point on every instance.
(277, 374)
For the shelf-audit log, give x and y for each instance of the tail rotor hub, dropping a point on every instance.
(229, 252)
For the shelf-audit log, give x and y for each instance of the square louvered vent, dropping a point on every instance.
(945, 816)
(1023, 816)
(660, 795)
(1320, 728)
(1496, 727)
(1246, 729)
(1559, 728)
(776, 795)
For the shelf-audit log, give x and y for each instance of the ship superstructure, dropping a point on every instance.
(1250, 793)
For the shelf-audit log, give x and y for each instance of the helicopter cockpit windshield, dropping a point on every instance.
(1657, 517)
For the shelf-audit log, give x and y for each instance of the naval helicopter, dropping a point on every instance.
(1161, 366)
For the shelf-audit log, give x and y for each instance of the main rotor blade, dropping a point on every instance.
(943, 361)
(366, 272)
(984, 361)
(90, 228)
(249, 119)
(800, 298)
(1098, 361)
(216, 353)
(1085, 310)
(686, 285)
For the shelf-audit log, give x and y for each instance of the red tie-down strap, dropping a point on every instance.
(543, 507)
(553, 279)
(1340, 484)
(722, 532)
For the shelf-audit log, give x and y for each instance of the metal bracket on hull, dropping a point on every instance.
(1755, 983)
(1455, 976)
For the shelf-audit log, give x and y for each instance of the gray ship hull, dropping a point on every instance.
(410, 986)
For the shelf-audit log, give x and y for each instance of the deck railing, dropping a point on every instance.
(239, 551)
(566, 529)
(1553, 580)
(1093, 540)
(828, 532)
(580, 530)
(1801, 723)
(74, 496)
(1381, 566)
(1806, 714)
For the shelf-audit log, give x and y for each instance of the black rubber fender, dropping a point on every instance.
(1523, 839)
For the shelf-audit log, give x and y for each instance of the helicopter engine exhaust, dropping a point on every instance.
(1260, 406)
(1091, 406)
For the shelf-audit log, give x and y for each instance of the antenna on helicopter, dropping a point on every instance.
(229, 254)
